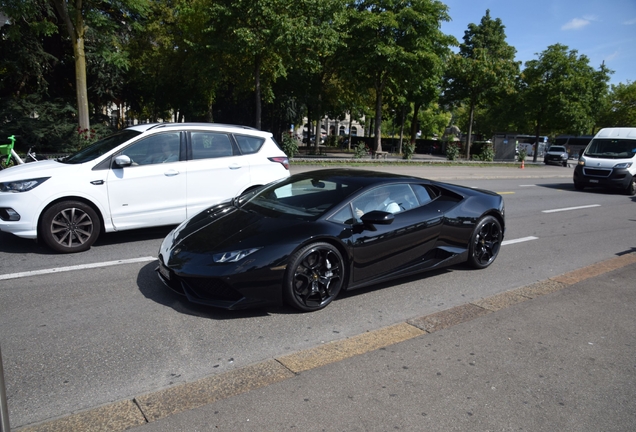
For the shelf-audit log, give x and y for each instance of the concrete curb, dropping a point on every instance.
(122, 415)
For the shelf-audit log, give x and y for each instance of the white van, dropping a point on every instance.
(609, 160)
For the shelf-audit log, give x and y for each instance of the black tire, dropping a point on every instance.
(579, 186)
(70, 226)
(485, 242)
(315, 276)
(4, 164)
(565, 164)
(631, 189)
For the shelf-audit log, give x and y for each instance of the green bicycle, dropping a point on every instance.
(8, 157)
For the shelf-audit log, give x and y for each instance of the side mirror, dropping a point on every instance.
(377, 217)
(123, 161)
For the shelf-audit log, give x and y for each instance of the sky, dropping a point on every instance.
(601, 30)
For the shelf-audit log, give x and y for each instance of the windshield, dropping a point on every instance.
(611, 148)
(557, 149)
(305, 198)
(101, 147)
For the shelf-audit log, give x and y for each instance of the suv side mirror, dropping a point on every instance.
(123, 161)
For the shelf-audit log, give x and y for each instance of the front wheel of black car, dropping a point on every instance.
(70, 226)
(315, 275)
(485, 242)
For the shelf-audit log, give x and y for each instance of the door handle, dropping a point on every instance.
(235, 166)
(171, 173)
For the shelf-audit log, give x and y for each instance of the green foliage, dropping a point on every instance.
(332, 141)
(621, 106)
(408, 149)
(522, 154)
(483, 70)
(289, 145)
(452, 150)
(483, 151)
(360, 150)
(560, 91)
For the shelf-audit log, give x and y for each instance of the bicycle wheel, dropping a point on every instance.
(5, 162)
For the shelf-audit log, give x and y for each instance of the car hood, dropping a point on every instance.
(44, 168)
(593, 162)
(225, 227)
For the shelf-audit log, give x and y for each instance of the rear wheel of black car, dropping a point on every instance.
(315, 275)
(485, 242)
(70, 226)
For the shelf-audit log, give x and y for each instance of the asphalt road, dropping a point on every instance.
(88, 334)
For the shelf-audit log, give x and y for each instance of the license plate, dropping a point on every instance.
(593, 181)
(164, 271)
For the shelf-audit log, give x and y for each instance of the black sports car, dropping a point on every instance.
(304, 239)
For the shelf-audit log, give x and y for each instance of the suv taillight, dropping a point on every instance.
(284, 161)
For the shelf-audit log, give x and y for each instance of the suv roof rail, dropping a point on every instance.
(172, 124)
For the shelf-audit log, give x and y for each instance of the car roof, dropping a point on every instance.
(357, 176)
(220, 126)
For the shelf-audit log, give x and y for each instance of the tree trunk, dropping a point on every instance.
(402, 120)
(416, 112)
(377, 139)
(350, 126)
(470, 129)
(257, 93)
(537, 131)
(76, 32)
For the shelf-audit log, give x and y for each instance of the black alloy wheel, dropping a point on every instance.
(70, 226)
(485, 242)
(315, 276)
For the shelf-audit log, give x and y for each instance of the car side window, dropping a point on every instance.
(424, 196)
(155, 149)
(344, 215)
(207, 145)
(248, 144)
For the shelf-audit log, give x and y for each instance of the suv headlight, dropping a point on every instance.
(22, 185)
(623, 165)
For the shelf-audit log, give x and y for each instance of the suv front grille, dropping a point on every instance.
(597, 172)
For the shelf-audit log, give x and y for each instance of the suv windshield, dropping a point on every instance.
(559, 149)
(611, 148)
(100, 147)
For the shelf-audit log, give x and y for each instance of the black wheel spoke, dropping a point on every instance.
(486, 242)
(317, 277)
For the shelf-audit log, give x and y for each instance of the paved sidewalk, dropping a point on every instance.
(556, 355)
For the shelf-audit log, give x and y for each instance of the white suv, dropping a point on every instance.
(145, 175)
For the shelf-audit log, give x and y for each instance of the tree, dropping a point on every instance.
(390, 41)
(560, 91)
(621, 109)
(75, 18)
(483, 69)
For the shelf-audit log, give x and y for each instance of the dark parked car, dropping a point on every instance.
(306, 238)
(556, 155)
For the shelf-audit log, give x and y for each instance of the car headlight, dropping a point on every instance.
(233, 256)
(22, 185)
(623, 165)
(582, 162)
